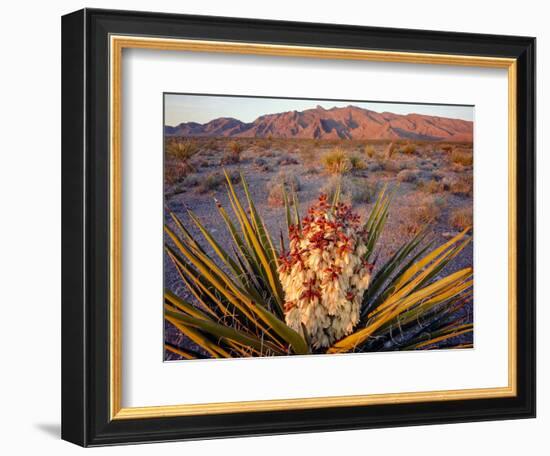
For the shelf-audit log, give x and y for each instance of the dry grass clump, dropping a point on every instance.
(233, 153)
(369, 151)
(174, 172)
(190, 181)
(390, 166)
(417, 216)
(462, 185)
(408, 149)
(431, 186)
(181, 150)
(462, 218)
(352, 189)
(356, 162)
(462, 157)
(337, 161)
(211, 183)
(178, 163)
(408, 175)
(281, 183)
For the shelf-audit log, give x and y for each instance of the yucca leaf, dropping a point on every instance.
(417, 274)
(178, 351)
(351, 342)
(183, 305)
(255, 241)
(222, 331)
(213, 349)
(454, 332)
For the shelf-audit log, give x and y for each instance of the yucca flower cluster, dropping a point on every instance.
(325, 274)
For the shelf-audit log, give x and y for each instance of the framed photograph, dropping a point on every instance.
(279, 227)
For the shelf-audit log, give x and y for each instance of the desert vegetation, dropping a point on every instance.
(431, 186)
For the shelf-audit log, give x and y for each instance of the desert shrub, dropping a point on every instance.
(283, 182)
(462, 157)
(417, 216)
(352, 189)
(337, 161)
(176, 171)
(369, 151)
(233, 153)
(408, 149)
(191, 180)
(200, 162)
(236, 147)
(356, 162)
(286, 160)
(462, 185)
(262, 164)
(181, 150)
(447, 148)
(462, 218)
(430, 185)
(211, 183)
(408, 175)
(375, 167)
(390, 166)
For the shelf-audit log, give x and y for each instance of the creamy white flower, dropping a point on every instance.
(324, 275)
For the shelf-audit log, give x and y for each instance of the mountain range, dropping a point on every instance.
(350, 122)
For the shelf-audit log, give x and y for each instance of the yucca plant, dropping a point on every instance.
(321, 293)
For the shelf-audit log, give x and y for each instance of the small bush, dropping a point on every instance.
(390, 166)
(430, 186)
(211, 183)
(233, 153)
(337, 161)
(356, 162)
(236, 147)
(408, 175)
(352, 190)
(181, 150)
(417, 217)
(462, 157)
(375, 167)
(462, 186)
(192, 180)
(370, 151)
(408, 149)
(462, 218)
(175, 172)
(279, 184)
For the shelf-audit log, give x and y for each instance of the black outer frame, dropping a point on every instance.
(85, 227)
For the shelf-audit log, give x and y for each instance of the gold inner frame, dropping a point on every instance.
(117, 44)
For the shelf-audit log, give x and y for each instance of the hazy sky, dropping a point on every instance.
(203, 108)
